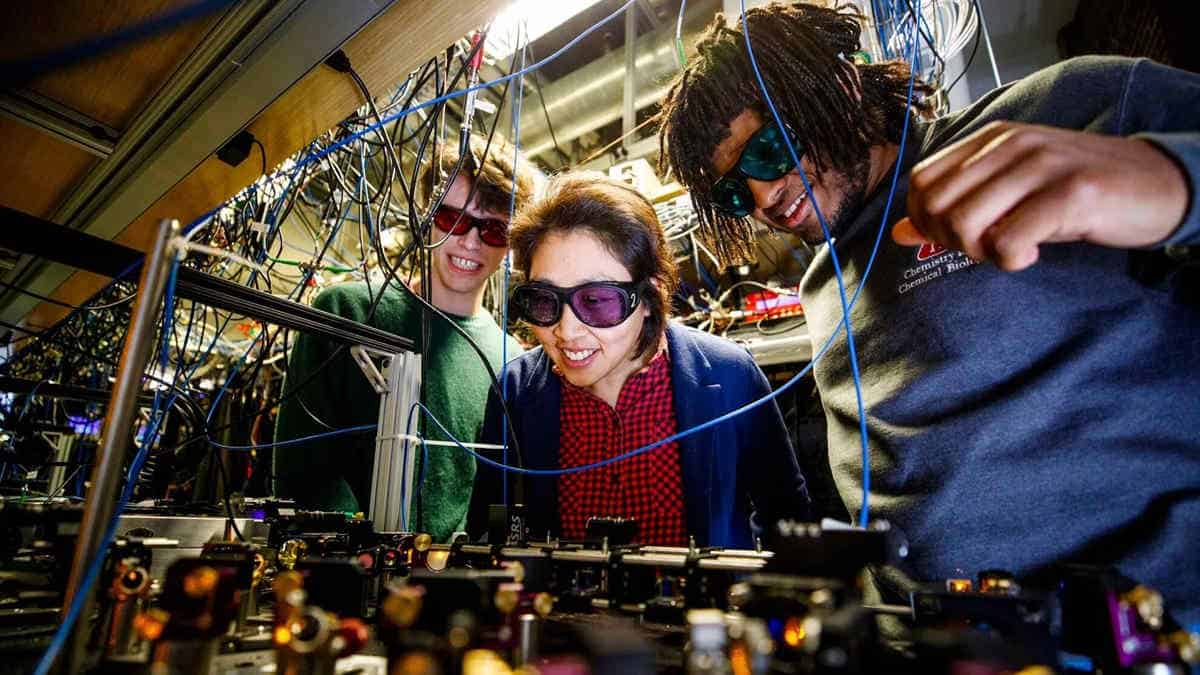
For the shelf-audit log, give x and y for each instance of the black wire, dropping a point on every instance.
(43, 298)
(494, 383)
(779, 330)
(215, 458)
(925, 34)
(300, 398)
(298, 387)
(263, 153)
(537, 83)
(428, 71)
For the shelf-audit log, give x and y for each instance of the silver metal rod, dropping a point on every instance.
(528, 639)
(629, 108)
(987, 41)
(118, 421)
(63, 443)
(895, 610)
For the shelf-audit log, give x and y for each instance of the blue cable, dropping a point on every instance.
(626, 455)
(296, 441)
(446, 97)
(93, 570)
(753, 404)
(682, 58)
(212, 409)
(150, 437)
(27, 69)
(168, 316)
(403, 485)
(837, 270)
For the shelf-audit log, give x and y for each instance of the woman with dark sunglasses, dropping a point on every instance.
(613, 375)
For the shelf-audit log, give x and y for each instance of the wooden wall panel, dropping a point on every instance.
(383, 53)
(38, 170)
(112, 87)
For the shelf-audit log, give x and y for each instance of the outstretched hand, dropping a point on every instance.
(999, 193)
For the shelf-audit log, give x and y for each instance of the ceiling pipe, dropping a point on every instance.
(591, 97)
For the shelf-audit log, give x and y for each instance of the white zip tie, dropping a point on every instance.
(446, 444)
(186, 247)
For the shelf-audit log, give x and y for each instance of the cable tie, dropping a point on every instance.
(445, 444)
(184, 247)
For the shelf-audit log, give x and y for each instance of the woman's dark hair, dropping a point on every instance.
(837, 108)
(621, 219)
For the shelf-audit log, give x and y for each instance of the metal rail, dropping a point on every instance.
(36, 236)
(114, 438)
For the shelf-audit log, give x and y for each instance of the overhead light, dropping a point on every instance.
(527, 20)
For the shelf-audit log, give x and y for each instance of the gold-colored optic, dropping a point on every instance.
(200, 582)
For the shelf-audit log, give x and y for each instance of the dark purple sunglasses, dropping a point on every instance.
(599, 304)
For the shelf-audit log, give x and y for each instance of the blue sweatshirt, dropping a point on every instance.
(1018, 420)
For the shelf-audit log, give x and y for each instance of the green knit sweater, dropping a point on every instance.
(335, 473)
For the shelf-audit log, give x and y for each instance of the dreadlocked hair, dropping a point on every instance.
(838, 109)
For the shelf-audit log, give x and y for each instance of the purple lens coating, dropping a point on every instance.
(599, 306)
(541, 306)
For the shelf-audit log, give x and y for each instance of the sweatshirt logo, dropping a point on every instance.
(928, 250)
(933, 261)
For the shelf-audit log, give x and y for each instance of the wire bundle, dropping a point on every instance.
(944, 30)
(332, 210)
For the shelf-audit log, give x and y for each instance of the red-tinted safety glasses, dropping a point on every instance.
(492, 231)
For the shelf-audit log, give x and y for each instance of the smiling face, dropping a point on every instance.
(599, 360)
(784, 204)
(463, 264)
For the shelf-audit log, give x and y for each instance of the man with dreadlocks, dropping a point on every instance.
(1019, 415)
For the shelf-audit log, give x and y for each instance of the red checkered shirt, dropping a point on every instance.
(649, 486)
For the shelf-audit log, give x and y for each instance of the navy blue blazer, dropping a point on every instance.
(738, 476)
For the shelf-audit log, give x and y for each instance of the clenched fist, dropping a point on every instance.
(999, 193)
